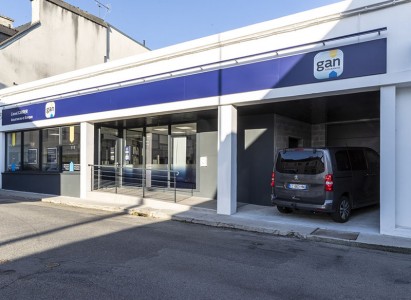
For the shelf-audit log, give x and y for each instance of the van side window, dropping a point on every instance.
(357, 160)
(373, 160)
(343, 164)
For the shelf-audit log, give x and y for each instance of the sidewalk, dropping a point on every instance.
(361, 231)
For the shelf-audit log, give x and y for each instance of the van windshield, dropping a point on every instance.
(300, 162)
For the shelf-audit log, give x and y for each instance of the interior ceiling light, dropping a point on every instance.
(160, 129)
(184, 127)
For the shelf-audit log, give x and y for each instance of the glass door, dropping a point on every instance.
(110, 158)
(184, 154)
(157, 162)
(133, 157)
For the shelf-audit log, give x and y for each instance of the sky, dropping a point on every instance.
(162, 23)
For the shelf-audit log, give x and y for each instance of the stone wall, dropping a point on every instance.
(284, 128)
(318, 135)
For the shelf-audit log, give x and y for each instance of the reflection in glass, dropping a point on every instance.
(31, 150)
(51, 142)
(13, 151)
(133, 148)
(184, 154)
(70, 148)
(108, 148)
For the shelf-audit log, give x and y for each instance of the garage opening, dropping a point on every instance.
(341, 120)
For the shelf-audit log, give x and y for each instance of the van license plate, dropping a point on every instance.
(294, 186)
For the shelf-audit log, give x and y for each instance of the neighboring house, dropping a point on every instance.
(6, 28)
(60, 38)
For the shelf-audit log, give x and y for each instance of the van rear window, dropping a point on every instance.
(300, 162)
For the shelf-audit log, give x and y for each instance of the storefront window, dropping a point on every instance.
(109, 148)
(13, 151)
(157, 147)
(70, 148)
(51, 153)
(133, 149)
(184, 154)
(31, 150)
(51, 150)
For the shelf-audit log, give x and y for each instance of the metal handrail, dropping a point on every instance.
(116, 176)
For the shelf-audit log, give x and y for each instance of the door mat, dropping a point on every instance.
(335, 234)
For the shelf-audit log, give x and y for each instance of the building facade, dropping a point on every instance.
(60, 38)
(214, 111)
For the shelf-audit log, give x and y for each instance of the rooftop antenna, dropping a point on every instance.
(101, 5)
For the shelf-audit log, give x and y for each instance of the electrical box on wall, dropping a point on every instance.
(203, 161)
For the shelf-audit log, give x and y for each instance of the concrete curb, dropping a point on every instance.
(201, 217)
(357, 244)
(208, 217)
(293, 234)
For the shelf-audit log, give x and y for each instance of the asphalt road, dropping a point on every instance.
(58, 252)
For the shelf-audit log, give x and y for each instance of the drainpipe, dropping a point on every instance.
(107, 57)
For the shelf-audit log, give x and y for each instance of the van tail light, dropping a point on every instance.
(329, 183)
(272, 179)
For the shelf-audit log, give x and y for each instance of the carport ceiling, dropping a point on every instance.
(330, 109)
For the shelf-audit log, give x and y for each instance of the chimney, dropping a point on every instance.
(5, 21)
(36, 8)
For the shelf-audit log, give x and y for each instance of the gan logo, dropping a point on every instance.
(50, 110)
(329, 64)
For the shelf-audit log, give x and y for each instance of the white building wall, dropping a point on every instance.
(388, 163)
(63, 41)
(122, 46)
(86, 157)
(227, 160)
(316, 25)
(395, 205)
(264, 37)
(403, 159)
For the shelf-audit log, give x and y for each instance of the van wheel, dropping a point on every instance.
(284, 210)
(343, 210)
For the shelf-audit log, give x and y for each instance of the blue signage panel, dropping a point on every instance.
(356, 60)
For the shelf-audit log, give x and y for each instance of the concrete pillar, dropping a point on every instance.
(227, 160)
(2, 156)
(388, 159)
(86, 157)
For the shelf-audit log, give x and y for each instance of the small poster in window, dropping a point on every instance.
(51, 155)
(32, 156)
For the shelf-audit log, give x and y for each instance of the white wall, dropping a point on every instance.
(123, 46)
(86, 158)
(395, 204)
(403, 159)
(227, 161)
(64, 41)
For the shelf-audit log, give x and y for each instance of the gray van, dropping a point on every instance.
(331, 180)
